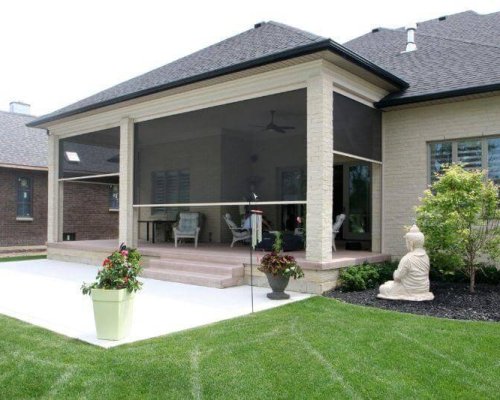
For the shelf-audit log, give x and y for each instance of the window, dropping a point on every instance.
(494, 160)
(483, 153)
(469, 154)
(440, 155)
(114, 197)
(169, 187)
(24, 197)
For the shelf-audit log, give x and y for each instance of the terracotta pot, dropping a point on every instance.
(278, 283)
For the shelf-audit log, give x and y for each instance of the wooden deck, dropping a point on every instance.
(211, 264)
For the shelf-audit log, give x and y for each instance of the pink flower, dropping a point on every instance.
(124, 253)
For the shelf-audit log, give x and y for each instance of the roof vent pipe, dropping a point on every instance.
(410, 38)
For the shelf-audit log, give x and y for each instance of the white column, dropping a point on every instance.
(126, 219)
(319, 167)
(55, 193)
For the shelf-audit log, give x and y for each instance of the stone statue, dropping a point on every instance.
(411, 279)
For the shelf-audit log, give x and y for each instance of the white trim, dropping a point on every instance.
(27, 167)
(253, 86)
(77, 178)
(357, 157)
(215, 204)
(352, 96)
(191, 98)
(25, 219)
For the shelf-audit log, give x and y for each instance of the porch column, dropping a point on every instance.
(55, 193)
(126, 217)
(319, 167)
(376, 207)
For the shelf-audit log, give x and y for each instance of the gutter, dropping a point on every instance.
(438, 96)
(326, 44)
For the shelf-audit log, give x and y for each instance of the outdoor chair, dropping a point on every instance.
(239, 234)
(339, 220)
(188, 227)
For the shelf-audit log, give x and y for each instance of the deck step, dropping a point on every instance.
(204, 267)
(225, 258)
(192, 278)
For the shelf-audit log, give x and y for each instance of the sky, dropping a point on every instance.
(54, 53)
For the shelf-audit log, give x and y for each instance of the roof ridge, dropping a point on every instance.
(305, 34)
(458, 40)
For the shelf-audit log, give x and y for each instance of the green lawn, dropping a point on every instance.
(318, 348)
(22, 258)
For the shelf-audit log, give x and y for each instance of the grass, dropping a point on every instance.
(22, 258)
(315, 349)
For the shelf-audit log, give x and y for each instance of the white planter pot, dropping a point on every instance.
(113, 312)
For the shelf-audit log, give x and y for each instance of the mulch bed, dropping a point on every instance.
(452, 300)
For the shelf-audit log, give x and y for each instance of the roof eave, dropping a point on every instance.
(326, 44)
(385, 103)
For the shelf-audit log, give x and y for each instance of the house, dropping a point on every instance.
(23, 181)
(23, 189)
(314, 128)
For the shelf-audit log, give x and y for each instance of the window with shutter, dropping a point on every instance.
(169, 187)
(480, 153)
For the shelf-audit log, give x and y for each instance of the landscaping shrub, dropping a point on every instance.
(366, 276)
(459, 216)
(485, 274)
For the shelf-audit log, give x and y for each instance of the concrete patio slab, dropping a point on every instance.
(47, 293)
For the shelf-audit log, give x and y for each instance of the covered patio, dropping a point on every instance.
(278, 146)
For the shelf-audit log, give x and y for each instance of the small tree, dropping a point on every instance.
(459, 216)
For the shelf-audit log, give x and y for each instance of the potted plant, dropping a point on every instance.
(279, 268)
(113, 293)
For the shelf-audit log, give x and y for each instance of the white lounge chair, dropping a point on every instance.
(188, 227)
(239, 234)
(339, 220)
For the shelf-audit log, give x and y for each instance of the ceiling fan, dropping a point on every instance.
(271, 126)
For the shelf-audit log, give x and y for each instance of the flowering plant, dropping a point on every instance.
(276, 263)
(119, 271)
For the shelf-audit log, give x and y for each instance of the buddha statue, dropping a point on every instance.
(411, 278)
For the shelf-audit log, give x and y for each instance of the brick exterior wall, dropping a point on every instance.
(22, 233)
(406, 133)
(86, 212)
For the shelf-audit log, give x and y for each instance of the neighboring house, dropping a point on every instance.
(23, 190)
(313, 127)
(23, 179)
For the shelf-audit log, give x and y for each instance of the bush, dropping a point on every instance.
(459, 216)
(485, 274)
(365, 276)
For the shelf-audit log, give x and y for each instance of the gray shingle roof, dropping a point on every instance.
(460, 52)
(266, 43)
(20, 145)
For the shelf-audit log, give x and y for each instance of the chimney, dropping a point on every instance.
(19, 107)
(410, 39)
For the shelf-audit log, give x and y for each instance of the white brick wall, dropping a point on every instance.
(405, 172)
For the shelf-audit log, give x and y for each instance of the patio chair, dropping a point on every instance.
(339, 220)
(239, 234)
(188, 227)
